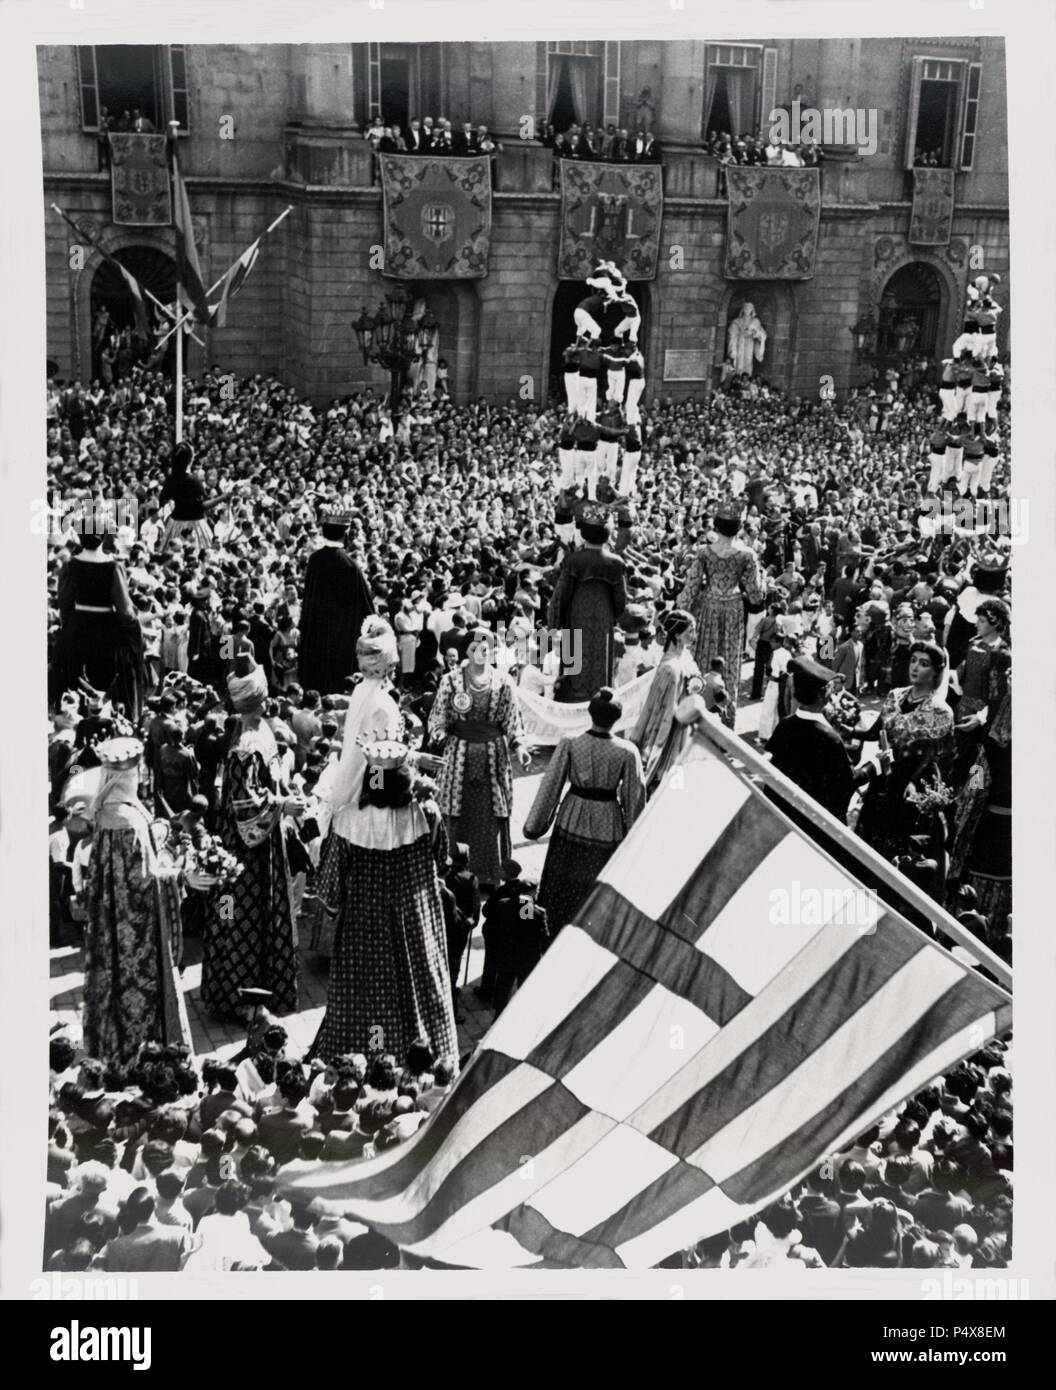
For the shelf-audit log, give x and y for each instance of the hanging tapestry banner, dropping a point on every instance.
(772, 223)
(609, 212)
(437, 216)
(931, 220)
(139, 180)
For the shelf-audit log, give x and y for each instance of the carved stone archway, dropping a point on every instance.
(894, 254)
(113, 239)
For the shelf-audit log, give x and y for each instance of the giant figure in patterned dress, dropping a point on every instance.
(132, 937)
(722, 580)
(389, 980)
(477, 719)
(251, 941)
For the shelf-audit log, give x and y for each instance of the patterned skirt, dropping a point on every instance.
(389, 981)
(132, 939)
(486, 834)
(570, 872)
(720, 632)
(251, 940)
(198, 534)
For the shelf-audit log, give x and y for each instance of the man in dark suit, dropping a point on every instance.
(520, 932)
(464, 141)
(147, 1248)
(645, 147)
(414, 139)
(809, 751)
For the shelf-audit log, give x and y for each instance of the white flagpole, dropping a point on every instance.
(178, 330)
(693, 711)
(213, 288)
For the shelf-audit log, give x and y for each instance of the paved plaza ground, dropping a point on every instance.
(210, 1038)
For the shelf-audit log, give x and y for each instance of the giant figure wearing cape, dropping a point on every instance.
(337, 600)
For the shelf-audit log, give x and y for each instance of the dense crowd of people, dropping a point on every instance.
(307, 637)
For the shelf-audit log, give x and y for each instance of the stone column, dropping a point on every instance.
(678, 113)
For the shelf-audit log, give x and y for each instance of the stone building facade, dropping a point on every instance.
(266, 126)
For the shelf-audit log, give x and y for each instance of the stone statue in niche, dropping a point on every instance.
(745, 341)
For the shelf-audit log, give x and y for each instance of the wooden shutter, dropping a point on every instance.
(769, 88)
(970, 121)
(89, 84)
(611, 86)
(916, 74)
(373, 80)
(180, 105)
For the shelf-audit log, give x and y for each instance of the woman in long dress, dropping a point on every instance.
(658, 735)
(722, 579)
(372, 715)
(477, 720)
(132, 934)
(605, 798)
(100, 638)
(389, 980)
(251, 940)
(918, 725)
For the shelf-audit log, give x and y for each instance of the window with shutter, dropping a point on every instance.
(89, 87)
(943, 113)
(122, 79)
(971, 115)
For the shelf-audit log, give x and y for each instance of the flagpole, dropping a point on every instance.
(693, 711)
(214, 287)
(179, 383)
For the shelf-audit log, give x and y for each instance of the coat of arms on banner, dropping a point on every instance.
(609, 212)
(772, 228)
(140, 180)
(931, 221)
(437, 217)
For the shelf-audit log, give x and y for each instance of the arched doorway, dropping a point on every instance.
(113, 316)
(569, 294)
(909, 316)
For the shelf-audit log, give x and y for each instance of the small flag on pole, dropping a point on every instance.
(192, 291)
(234, 280)
(729, 1007)
(139, 306)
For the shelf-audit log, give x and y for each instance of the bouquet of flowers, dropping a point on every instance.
(206, 864)
(930, 798)
(843, 711)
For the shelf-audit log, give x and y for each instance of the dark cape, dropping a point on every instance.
(337, 601)
(589, 597)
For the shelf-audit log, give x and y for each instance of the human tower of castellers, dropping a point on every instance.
(964, 444)
(604, 373)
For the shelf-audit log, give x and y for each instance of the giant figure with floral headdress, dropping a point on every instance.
(251, 941)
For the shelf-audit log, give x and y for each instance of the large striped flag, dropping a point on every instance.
(135, 289)
(234, 280)
(729, 1007)
(192, 292)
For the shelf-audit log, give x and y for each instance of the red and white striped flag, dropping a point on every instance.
(729, 1007)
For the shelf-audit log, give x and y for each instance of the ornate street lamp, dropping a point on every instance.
(864, 334)
(390, 338)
